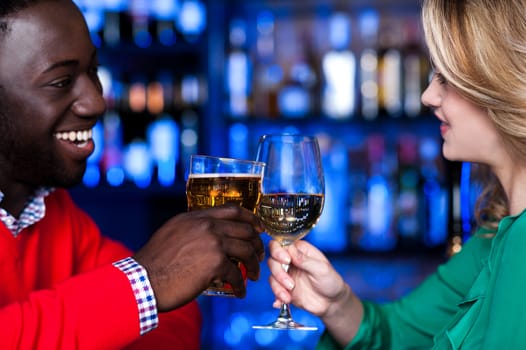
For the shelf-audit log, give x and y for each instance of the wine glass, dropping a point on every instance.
(293, 192)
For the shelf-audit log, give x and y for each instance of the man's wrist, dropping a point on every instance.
(143, 292)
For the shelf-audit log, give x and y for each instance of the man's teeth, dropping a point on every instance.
(74, 136)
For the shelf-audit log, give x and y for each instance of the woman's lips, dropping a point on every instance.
(444, 127)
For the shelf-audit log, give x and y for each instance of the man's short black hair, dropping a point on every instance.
(9, 7)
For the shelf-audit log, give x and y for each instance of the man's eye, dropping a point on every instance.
(94, 70)
(61, 83)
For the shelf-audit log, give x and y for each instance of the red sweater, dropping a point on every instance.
(59, 290)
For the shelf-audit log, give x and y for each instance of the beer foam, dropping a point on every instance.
(215, 175)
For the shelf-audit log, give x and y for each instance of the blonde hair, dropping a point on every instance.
(479, 46)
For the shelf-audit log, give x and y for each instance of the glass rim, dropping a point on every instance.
(291, 136)
(227, 159)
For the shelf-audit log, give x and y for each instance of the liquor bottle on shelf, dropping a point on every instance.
(416, 68)
(163, 142)
(295, 96)
(137, 163)
(238, 70)
(368, 23)
(438, 200)
(165, 13)
(163, 132)
(136, 96)
(339, 70)
(390, 68)
(192, 91)
(238, 141)
(167, 83)
(155, 97)
(464, 192)
(380, 234)
(113, 145)
(94, 16)
(357, 200)
(455, 239)
(191, 21)
(329, 234)
(111, 32)
(409, 206)
(189, 137)
(268, 74)
(140, 22)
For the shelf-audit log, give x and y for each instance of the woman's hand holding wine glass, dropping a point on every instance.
(293, 192)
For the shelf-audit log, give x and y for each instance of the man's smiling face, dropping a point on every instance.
(50, 95)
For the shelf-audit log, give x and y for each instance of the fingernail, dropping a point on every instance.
(285, 258)
(289, 284)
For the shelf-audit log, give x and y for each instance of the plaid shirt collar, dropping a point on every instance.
(33, 212)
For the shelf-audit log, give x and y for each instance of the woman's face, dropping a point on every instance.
(465, 127)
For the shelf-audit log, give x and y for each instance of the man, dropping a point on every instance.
(63, 285)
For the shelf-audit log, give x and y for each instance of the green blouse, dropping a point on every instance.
(477, 300)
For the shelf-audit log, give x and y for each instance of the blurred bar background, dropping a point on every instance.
(210, 76)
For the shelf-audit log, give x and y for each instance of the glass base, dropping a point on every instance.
(286, 324)
(212, 292)
(219, 288)
(219, 291)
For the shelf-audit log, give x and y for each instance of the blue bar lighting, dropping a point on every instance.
(137, 163)
(238, 141)
(115, 5)
(465, 199)
(115, 176)
(163, 140)
(164, 9)
(192, 18)
(92, 175)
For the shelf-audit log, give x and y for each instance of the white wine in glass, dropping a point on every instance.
(293, 193)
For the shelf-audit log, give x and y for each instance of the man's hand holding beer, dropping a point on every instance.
(195, 248)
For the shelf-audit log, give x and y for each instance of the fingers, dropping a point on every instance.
(236, 222)
(246, 253)
(301, 254)
(234, 277)
(280, 275)
(280, 282)
(232, 212)
(281, 293)
(245, 234)
(279, 253)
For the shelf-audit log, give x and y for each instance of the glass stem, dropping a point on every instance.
(284, 310)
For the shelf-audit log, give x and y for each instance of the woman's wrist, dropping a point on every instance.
(343, 316)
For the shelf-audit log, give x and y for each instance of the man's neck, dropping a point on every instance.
(15, 199)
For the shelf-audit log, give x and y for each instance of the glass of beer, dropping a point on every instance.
(214, 181)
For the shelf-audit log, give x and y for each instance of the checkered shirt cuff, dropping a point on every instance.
(148, 318)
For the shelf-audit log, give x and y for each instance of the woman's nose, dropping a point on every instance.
(431, 96)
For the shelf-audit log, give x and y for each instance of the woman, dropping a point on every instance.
(475, 300)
